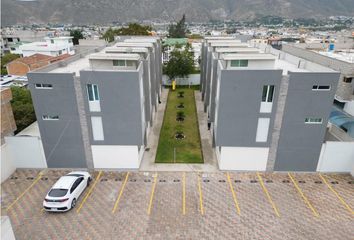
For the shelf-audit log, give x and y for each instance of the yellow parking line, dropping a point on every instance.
(152, 194)
(233, 194)
(120, 193)
(24, 192)
(200, 196)
(337, 195)
(184, 194)
(89, 192)
(268, 195)
(314, 211)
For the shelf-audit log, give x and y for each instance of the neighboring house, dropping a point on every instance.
(15, 48)
(340, 59)
(8, 41)
(270, 109)
(21, 66)
(52, 46)
(91, 109)
(8, 125)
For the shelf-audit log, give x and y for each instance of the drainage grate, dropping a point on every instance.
(269, 181)
(222, 181)
(176, 180)
(301, 181)
(351, 182)
(162, 180)
(335, 182)
(14, 178)
(286, 181)
(237, 181)
(132, 180)
(104, 180)
(147, 180)
(147, 149)
(44, 178)
(118, 179)
(318, 182)
(253, 181)
(30, 178)
(206, 180)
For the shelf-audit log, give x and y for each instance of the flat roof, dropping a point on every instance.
(253, 56)
(126, 49)
(133, 44)
(235, 49)
(144, 40)
(218, 37)
(114, 56)
(228, 44)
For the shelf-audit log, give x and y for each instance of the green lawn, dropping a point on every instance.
(188, 150)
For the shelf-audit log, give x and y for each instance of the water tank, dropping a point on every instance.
(331, 47)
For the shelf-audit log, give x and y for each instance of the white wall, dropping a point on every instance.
(115, 156)
(336, 157)
(243, 158)
(6, 229)
(7, 165)
(349, 107)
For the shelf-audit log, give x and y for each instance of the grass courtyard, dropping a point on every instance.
(188, 149)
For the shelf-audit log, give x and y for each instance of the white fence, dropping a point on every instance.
(336, 157)
(193, 79)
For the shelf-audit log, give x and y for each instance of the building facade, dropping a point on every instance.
(95, 111)
(267, 110)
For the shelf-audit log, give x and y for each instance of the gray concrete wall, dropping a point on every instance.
(239, 105)
(213, 85)
(120, 106)
(299, 143)
(62, 139)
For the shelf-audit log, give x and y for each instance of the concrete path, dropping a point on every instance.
(148, 162)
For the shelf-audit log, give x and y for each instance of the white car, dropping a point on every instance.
(66, 191)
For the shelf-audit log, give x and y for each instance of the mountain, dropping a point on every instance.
(106, 11)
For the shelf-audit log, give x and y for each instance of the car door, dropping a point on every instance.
(81, 186)
(75, 189)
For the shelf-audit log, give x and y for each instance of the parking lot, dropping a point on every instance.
(166, 205)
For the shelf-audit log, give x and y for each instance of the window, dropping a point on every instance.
(313, 120)
(50, 117)
(97, 128)
(52, 41)
(267, 94)
(347, 79)
(262, 129)
(60, 52)
(119, 63)
(13, 49)
(43, 86)
(321, 87)
(92, 92)
(57, 192)
(239, 63)
(76, 184)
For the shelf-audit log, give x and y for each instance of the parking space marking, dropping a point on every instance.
(184, 193)
(24, 192)
(337, 195)
(200, 196)
(120, 193)
(268, 195)
(89, 192)
(314, 211)
(233, 194)
(152, 194)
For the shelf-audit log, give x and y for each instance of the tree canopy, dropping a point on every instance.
(181, 62)
(22, 107)
(77, 34)
(179, 30)
(132, 29)
(5, 59)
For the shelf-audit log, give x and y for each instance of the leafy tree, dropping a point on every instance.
(5, 59)
(22, 107)
(178, 30)
(77, 34)
(132, 29)
(181, 62)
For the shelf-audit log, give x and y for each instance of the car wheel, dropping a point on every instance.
(73, 203)
(88, 182)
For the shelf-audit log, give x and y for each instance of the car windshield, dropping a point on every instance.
(57, 192)
(75, 175)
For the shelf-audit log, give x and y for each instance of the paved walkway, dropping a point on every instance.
(148, 162)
